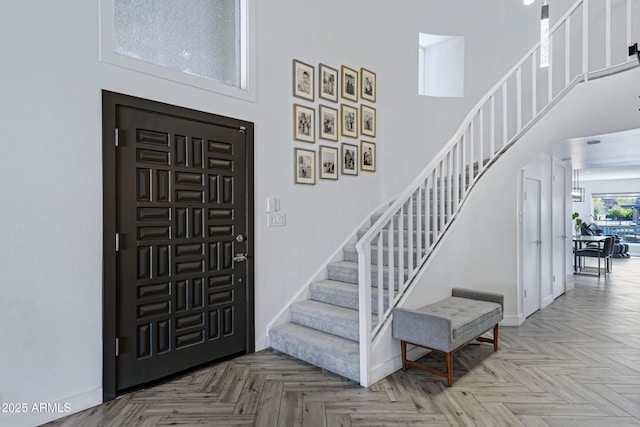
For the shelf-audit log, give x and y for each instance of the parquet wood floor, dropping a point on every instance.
(575, 363)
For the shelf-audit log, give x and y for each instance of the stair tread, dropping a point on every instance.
(346, 264)
(336, 354)
(354, 265)
(363, 230)
(327, 317)
(335, 285)
(340, 286)
(348, 346)
(342, 294)
(328, 310)
(347, 271)
(350, 247)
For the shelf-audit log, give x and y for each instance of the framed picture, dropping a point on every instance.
(368, 88)
(328, 83)
(349, 121)
(305, 166)
(328, 162)
(303, 79)
(349, 84)
(367, 156)
(304, 123)
(367, 120)
(349, 159)
(329, 123)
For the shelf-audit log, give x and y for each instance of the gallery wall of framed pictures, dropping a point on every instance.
(342, 114)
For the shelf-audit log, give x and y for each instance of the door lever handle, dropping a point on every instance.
(240, 258)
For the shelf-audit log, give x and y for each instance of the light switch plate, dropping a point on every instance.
(273, 204)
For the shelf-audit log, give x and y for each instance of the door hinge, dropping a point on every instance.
(242, 129)
(116, 137)
(117, 242)
(117, 346)
(554, 277)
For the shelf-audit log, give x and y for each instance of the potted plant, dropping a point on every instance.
(577, 221)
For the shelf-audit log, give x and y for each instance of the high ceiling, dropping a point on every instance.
(616, 156)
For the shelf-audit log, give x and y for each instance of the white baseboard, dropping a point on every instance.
(513, 320)
(262, 343)
(38, 413)
(570, 283)
(547, 301)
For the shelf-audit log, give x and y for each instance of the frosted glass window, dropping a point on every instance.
(198, 37)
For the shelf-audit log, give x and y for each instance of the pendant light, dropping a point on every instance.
(544, 36)
(577, 192)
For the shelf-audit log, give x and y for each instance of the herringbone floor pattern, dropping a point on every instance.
(575, 363)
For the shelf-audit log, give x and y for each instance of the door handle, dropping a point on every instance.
(240, 258)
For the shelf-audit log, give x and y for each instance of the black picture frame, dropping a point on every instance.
(303, 80)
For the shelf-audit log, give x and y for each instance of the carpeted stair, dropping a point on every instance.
(324, 329)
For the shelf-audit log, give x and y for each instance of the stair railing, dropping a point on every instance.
(583, 45)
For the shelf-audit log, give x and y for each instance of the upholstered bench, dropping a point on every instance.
(447, 325)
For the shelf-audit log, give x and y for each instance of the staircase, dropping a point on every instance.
(324, 329)
(341, 324)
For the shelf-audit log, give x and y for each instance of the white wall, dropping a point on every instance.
(50, 167)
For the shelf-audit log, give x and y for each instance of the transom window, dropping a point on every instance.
(200, 42)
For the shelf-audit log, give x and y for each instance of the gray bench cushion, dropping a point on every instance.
(450, 323)
(465, 314)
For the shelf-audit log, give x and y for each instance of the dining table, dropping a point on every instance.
(579, 242)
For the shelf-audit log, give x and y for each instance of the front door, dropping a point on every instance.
(183, 223)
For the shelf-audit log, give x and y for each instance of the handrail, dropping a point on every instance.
(421, 215)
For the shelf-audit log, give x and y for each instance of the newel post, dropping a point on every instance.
(364, 308)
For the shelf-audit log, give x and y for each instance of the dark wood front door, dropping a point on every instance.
(182, 264)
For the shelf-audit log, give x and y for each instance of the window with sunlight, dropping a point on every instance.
(618, 214)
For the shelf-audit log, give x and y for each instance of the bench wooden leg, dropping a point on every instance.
(403, 347)
(493, 341)
(448, 374)
(449, 357)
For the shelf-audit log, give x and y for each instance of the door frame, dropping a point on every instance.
(557, 227)
(110, 100)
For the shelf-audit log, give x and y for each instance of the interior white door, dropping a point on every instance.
(558, 225)
(532, 241)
